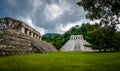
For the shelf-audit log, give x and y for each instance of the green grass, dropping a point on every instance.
(62, 61)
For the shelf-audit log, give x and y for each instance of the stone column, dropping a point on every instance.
(35, 35)
(28, 32)
(22, 29)
(31, 34)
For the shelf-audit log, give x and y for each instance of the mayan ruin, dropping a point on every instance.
(76, 43)
(16, 37)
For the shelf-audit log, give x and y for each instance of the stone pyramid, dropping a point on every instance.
(76, 43)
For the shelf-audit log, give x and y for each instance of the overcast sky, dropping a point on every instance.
(46, 16)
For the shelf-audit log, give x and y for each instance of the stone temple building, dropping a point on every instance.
(76, 43)
(16, 37)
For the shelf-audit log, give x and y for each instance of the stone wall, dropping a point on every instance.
(14, 43)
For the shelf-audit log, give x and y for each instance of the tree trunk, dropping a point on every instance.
(99, 49)
(111, 50)
(104, 49)
(117, 49)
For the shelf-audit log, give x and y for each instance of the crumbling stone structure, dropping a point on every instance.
(16, 37)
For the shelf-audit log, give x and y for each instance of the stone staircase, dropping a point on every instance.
(43, 46)
(69, 46)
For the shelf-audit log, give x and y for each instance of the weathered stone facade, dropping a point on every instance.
(16, 37)
(76, 43)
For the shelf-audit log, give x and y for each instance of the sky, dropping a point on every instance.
(46, 16)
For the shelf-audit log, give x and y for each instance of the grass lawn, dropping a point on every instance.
(62, 61)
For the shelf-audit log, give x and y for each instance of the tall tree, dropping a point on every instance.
(108, 12)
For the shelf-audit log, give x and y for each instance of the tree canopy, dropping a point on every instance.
(97, 9)
(108, 12)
